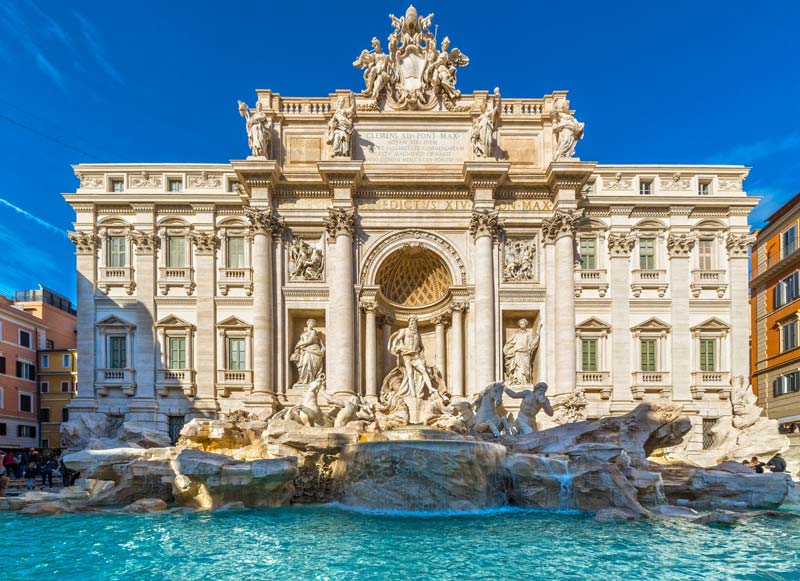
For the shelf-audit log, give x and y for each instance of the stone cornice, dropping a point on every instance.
(485, 175)
(342, 173)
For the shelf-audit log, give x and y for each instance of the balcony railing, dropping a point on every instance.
(708, 279)
(591, 279)
(124, 379)
(649, 279)
(235, 278)
(595, 382)
(711, 382)
(182, 379)
(175, 277)
(113, 276)
(228, 379)
(649, 382)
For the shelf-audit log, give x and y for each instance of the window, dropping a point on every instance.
(789, 241)
(647, 253)
(236, 353)
(175, 185)
(48, 344)
(64, 414)
(177, 353)
(232, 186)
(176, 257)
(2, 364)
(3, 429)
(25, 370)
(24, 339)
(45, 443)
(786, 290)
(117, 185)
(588, 354)
(44, 414)
(236, 252)
(174, 427)
(117, 352)
(45, 361)
(588, 252)
(788, 383)
(648, 354)
(26, 402)
(705, 253)
(788, 336)
(65, 361)
(117, 252)
(44, 387)
(704, 188)
(645, 188)
(26, 431)
(708, 354)
(66, 386)
(708, 432)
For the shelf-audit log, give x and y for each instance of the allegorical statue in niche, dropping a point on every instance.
(406, 344)
(259, 130)
(533, 401)
(340, 127)
(306, 262)
(566, 129)
(518, 354)
(308, 354)
(482, 135)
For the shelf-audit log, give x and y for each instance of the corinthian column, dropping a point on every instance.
(484, 228)
(370, 351)
(456, 379)
(264, 226)
(559, 230)
(340, 226)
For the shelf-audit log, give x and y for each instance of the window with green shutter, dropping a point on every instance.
(236, 252)
(117, 355)
(648, 349)
(588, 251)
(589, 355)
(236, 354)
(708, 354)
(647, 253)
(177, 252)
(177, 353)
(117, 252)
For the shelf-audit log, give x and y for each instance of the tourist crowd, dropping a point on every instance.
(775, 464)
(30, 465)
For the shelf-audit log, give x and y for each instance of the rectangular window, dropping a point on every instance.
(25, 370)
(175, 185)
(648, 351)
(48, 344)
(232, 186)
(25, 402)
(117, 249)
(44, 415)
(177, 353)
(3, 429)
(789, 336)
(645, 188)
(45, 443)
(236, 354)
(588, 250)
(704, 189)
(64, 414)
(177, 252)
(789, 241)
(117, 352)
(2, 364)
(44, 387)
(24, 339)
(117, 185)
(26, 431)
(705, 253)
(708, 432)
(66, 386)
(788, 383)
(45, 361)
(708, 354)
(65, 361)
(647, 253)
(174, 426)
(236, 252)
(589, 355)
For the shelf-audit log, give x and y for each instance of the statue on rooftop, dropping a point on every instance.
(482, 135)
(340, 127)
(259, 130)
(566, 129)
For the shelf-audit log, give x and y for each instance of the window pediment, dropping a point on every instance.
(174, 322)
(234, 323)
(114, 322)
(712, 325)
(593, 324)
(652, 325)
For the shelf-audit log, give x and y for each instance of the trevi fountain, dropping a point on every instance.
(472, 451)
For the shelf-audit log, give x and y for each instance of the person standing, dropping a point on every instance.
(47, 473)
(8, 463)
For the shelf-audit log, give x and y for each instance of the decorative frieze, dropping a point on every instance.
(485, 223)
(205, 181)
(617, 183)
(340, 222)
(306, 260)
(561, 223)
(90, 182)
(734, 185)
(144, 180)
(675, 183)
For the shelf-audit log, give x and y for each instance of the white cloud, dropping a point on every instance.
(36, 219)
(752, 152)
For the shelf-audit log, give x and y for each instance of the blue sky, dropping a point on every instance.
(155, 81)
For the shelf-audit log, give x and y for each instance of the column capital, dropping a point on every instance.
(561, 223)
(620, 245)
(738, 245)
(205, 243)
(368, 306)
(457, 306)
(441, 319)
(485, 223)
(145, 242)
(85, 242)
(387, 319)
(340, 222)
(264, 221)
(680, 245)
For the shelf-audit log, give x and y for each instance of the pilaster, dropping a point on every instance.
(738, 246)
(205, 243)
(86, 260)
(679, 248)
(620, 247)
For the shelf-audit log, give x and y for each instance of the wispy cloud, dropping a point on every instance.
(32, 218)
(752, 152)
(97, 50)
(24, 263)
(28, 38)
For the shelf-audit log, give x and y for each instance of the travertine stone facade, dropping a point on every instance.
(467, 211)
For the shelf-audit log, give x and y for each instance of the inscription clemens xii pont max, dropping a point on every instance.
(412, 146)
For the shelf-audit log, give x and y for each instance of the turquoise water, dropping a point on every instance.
(331, 543)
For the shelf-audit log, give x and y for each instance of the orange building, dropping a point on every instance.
(775, 312)
(21, 334)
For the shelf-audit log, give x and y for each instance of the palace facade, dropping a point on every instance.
(360, 211)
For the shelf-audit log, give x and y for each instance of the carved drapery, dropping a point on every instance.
(680, 245)
(562, 222)
(485, 223)
(340, 221)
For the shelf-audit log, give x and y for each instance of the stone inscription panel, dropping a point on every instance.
(420, 147)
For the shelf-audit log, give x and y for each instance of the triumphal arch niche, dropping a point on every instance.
(408, 236)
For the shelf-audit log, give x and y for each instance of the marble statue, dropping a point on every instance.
(307, 412)
(519, 260)
(392, 412)
(407, 345)
(378, 71)
(345, 411)
(340, 127)
(308, 355)
(566, 129)
(306, 262)
(259, 130)
(533, 401)
(518, 354)
(487, 416)
(482, 135)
